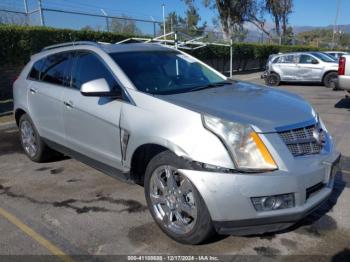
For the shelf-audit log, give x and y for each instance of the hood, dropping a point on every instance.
(265, 108)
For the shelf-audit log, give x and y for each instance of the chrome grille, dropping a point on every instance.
(301, 141)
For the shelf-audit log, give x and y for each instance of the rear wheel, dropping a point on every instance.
(273, 80)
(330, 80)
(174, 202)
(32, 143)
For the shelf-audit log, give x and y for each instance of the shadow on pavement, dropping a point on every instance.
(343, 103)
(342, 256)
(10, 144)
(6, 107)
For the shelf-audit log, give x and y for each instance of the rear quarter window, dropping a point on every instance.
(56, 69)
(34, 73)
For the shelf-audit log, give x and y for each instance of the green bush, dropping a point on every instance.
(18, 43)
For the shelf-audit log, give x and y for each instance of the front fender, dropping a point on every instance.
(154, 121)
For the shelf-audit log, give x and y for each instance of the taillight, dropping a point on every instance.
(341, 69)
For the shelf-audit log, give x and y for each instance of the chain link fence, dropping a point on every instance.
(81, 20)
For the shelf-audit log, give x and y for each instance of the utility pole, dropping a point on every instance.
(42, 22)
(164, 30)
(231, 57)
(107, 20)
(26, 11)
(335, 24)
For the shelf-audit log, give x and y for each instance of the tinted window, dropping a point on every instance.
(306, 59)
(160, 72)
(56, 69)
(275, 60)
(35, 72)
(324, 57)
(89, 67)
(286, 59)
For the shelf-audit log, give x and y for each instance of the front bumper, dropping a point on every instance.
(228, 196)
(264, 75)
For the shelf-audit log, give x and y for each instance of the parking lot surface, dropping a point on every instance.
(78, 210)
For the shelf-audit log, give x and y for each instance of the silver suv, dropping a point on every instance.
(214, 155)
(301, 67)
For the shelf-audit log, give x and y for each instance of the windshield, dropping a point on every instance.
(165, 72)
(324, 58)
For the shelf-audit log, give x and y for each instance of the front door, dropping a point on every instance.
(309, 69)
(92, 123)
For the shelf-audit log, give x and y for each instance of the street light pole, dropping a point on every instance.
(164, 30)
(335, 24)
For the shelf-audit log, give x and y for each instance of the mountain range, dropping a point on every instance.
(300, 29)
(254, 34)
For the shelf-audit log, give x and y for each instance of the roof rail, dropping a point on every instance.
(71, 44)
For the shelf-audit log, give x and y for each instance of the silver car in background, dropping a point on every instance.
(301, 67)
(213, 155)
(336, 54)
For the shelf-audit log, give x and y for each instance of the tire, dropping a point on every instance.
(30, 137)
(273, 80)
(198, 226)
(328, 79)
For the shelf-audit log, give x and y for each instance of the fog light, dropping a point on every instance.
(268, 203)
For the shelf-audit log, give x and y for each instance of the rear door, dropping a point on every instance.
(309, 68)
(49, 77)
(286, 67)
(92, 123)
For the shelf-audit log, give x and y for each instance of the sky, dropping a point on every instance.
(306, 12)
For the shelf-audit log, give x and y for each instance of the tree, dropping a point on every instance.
(87, 28)
(124, 26)
(12, 18)
(323, 38)
(233, 14)
(188, 24)
(280, 11)
(191, 21)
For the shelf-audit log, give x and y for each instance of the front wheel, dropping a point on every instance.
(174, 202)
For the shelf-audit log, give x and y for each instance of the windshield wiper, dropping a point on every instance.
(212, 85)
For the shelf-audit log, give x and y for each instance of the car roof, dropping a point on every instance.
(106, 47)
(133, 47)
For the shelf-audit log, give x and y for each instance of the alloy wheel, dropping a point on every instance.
(173, 200)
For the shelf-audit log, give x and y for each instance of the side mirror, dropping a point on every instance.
(314, 61)
(98, 87)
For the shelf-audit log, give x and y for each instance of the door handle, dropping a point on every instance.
(68, 104)
(33, 90)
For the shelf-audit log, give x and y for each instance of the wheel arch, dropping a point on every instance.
(327, 72)
(144, 153)
(18, 113)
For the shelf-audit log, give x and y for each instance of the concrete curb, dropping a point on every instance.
(8, 125)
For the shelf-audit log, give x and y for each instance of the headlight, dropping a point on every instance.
(247, 150)
(322, 125)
